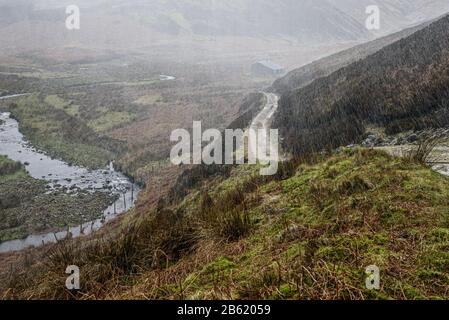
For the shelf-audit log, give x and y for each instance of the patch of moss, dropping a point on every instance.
(220, 265)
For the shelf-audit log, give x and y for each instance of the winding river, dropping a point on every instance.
(60, 175)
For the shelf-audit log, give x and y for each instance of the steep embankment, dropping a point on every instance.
(404, 86)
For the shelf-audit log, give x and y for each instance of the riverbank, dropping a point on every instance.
(28, 207)
(59, 134)
(43, 196)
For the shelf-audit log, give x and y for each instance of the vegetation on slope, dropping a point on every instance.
(305, 75)
(307, 233)
(402, 87)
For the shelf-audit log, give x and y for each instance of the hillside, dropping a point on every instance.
(404, 86)
(306, 20)
(303, 76)
(308, 233)
(27, 24)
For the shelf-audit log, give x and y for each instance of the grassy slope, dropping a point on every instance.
(316, 232)
(308, 235)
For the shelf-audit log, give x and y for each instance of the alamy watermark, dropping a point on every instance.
(259, 146)
(73, 20)
(373, 20)
(373, 278)
(73, 280)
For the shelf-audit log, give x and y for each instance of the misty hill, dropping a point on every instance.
(395, 14)
(306, 20)
(303, 76)
(125, 23)
(404, 86)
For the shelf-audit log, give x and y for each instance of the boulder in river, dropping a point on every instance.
(412, 138)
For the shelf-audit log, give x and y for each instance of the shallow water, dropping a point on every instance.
(443, 169)
(164, 77)
(13, 96)
(60, 175)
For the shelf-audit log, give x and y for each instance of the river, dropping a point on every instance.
(60, 175)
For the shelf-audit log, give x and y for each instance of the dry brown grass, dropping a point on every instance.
(422, 152)
(152, 243)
